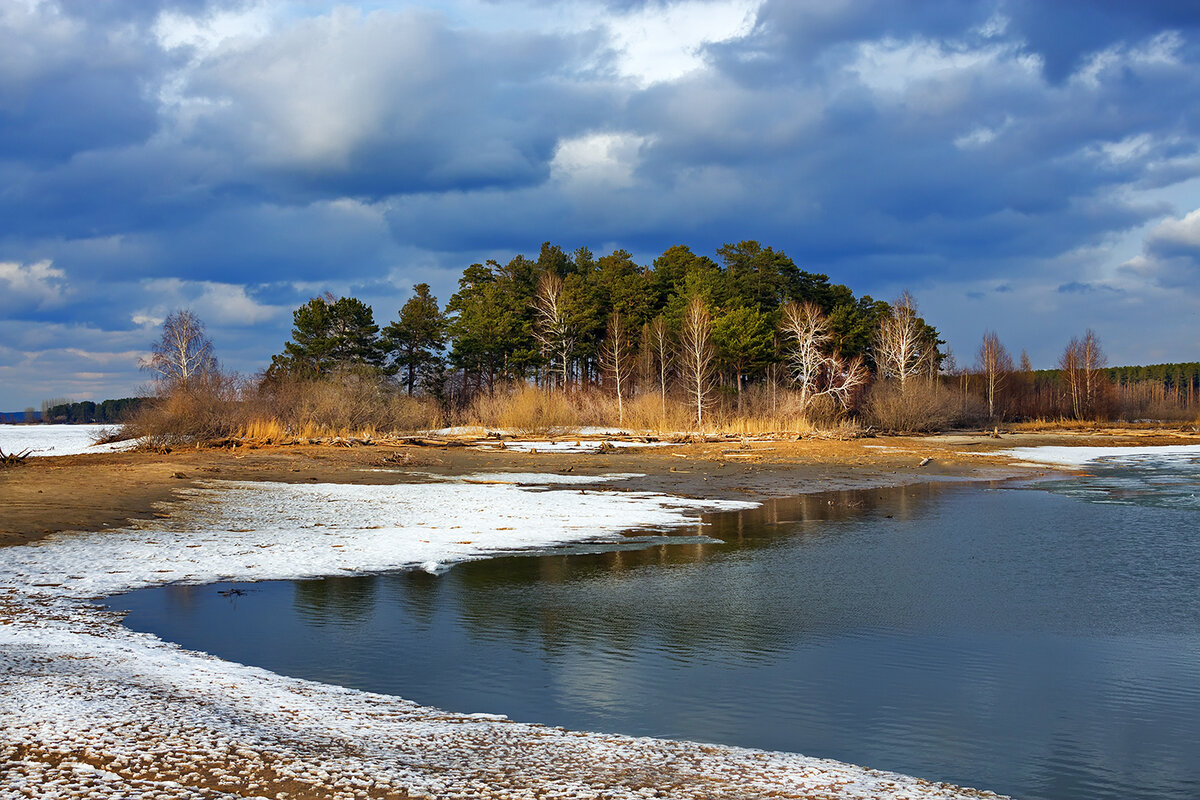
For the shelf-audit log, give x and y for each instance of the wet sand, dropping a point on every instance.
(98, 491)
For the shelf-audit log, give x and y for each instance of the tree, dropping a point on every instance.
(995, 365)
(817, 369)
(184, 353)
(416, 339)
(329, 336)
(660, 341)
(743, 339)
(617, 360)
(1080, 366)
(901, 346)
(554, 330)
(696, 355)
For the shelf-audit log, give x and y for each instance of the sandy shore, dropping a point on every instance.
(90, 709)
(94, 492)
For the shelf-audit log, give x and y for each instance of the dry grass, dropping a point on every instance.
(350, 406)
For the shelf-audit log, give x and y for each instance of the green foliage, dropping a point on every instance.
(330, 336)
(745, 341)
(489, 331)
(415, 341)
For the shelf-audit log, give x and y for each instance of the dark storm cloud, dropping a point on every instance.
(887, 144)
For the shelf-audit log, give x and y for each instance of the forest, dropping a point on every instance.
(745, 341)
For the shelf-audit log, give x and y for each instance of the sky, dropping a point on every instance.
(1020, 166)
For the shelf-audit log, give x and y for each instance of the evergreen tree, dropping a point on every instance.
(329, 336)
(745, 342)
(416, 339)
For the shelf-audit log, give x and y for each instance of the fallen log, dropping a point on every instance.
(13, 459)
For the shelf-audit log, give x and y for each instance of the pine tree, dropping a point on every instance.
(329, 336)
(416, 339)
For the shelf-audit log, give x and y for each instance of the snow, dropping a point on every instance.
(89, 708)
(1078, 456)
(57, 440)
(265, 531)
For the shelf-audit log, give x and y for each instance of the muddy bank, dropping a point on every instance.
(98, 491)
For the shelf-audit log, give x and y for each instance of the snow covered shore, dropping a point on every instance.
(1078, 456)
(91, 709)
(56, 440)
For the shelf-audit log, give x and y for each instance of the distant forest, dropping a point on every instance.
(108, 411)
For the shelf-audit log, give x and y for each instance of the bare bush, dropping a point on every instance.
(194, 411)
(918, 406)
(352, 402)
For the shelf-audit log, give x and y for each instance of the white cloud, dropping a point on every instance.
(1183, 232)
(208, 32)
(1159, 51)
(661, 43)
(598, 158)
(222, 304)
(38, 285)
(892, 67)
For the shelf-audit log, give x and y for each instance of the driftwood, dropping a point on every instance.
(13, 459)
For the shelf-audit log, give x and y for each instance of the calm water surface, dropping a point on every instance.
(1037, 643)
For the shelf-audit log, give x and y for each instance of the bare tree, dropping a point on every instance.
(696, 355)
(816, 369)
(184, 353)
(902, 349)
(1072, 378)
(553, 329)
(1079, 367)
(1091, 361)
(809, 331)
(660, 337)
(617, 360)
(995, 365)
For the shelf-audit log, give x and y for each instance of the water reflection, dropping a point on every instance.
(1030, 643)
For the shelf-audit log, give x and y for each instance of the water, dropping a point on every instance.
(1032, 642)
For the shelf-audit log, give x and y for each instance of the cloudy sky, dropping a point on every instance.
(1022, 166)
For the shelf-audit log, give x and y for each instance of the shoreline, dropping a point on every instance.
(100, 707)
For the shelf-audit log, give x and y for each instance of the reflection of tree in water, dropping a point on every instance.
(684, 597)
(335, 600)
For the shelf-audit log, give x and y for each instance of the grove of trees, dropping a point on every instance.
(685, 333)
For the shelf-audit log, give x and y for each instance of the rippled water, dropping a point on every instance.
(1026, 641)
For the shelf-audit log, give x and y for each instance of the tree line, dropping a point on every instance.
(685, 323)
(87, 411)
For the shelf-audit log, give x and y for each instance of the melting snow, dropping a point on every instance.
(1078, 456)
(89, 708)
(56, 440)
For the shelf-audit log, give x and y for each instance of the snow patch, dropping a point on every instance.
(57, 440)
(1078, 456)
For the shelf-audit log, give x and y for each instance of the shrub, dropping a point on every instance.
(920, 406)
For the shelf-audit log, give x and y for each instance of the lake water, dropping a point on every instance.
(1042, 642)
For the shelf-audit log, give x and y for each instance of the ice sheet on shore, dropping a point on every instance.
(89, 708)
(56, 440)
(266, 531)
(1078, 456)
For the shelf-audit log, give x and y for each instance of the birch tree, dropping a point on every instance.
(817, 369)
(553, 330)
(696, 355)
(901, 346)
(995, 365)
(184, 353)
(616, 358)
(660, 337)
